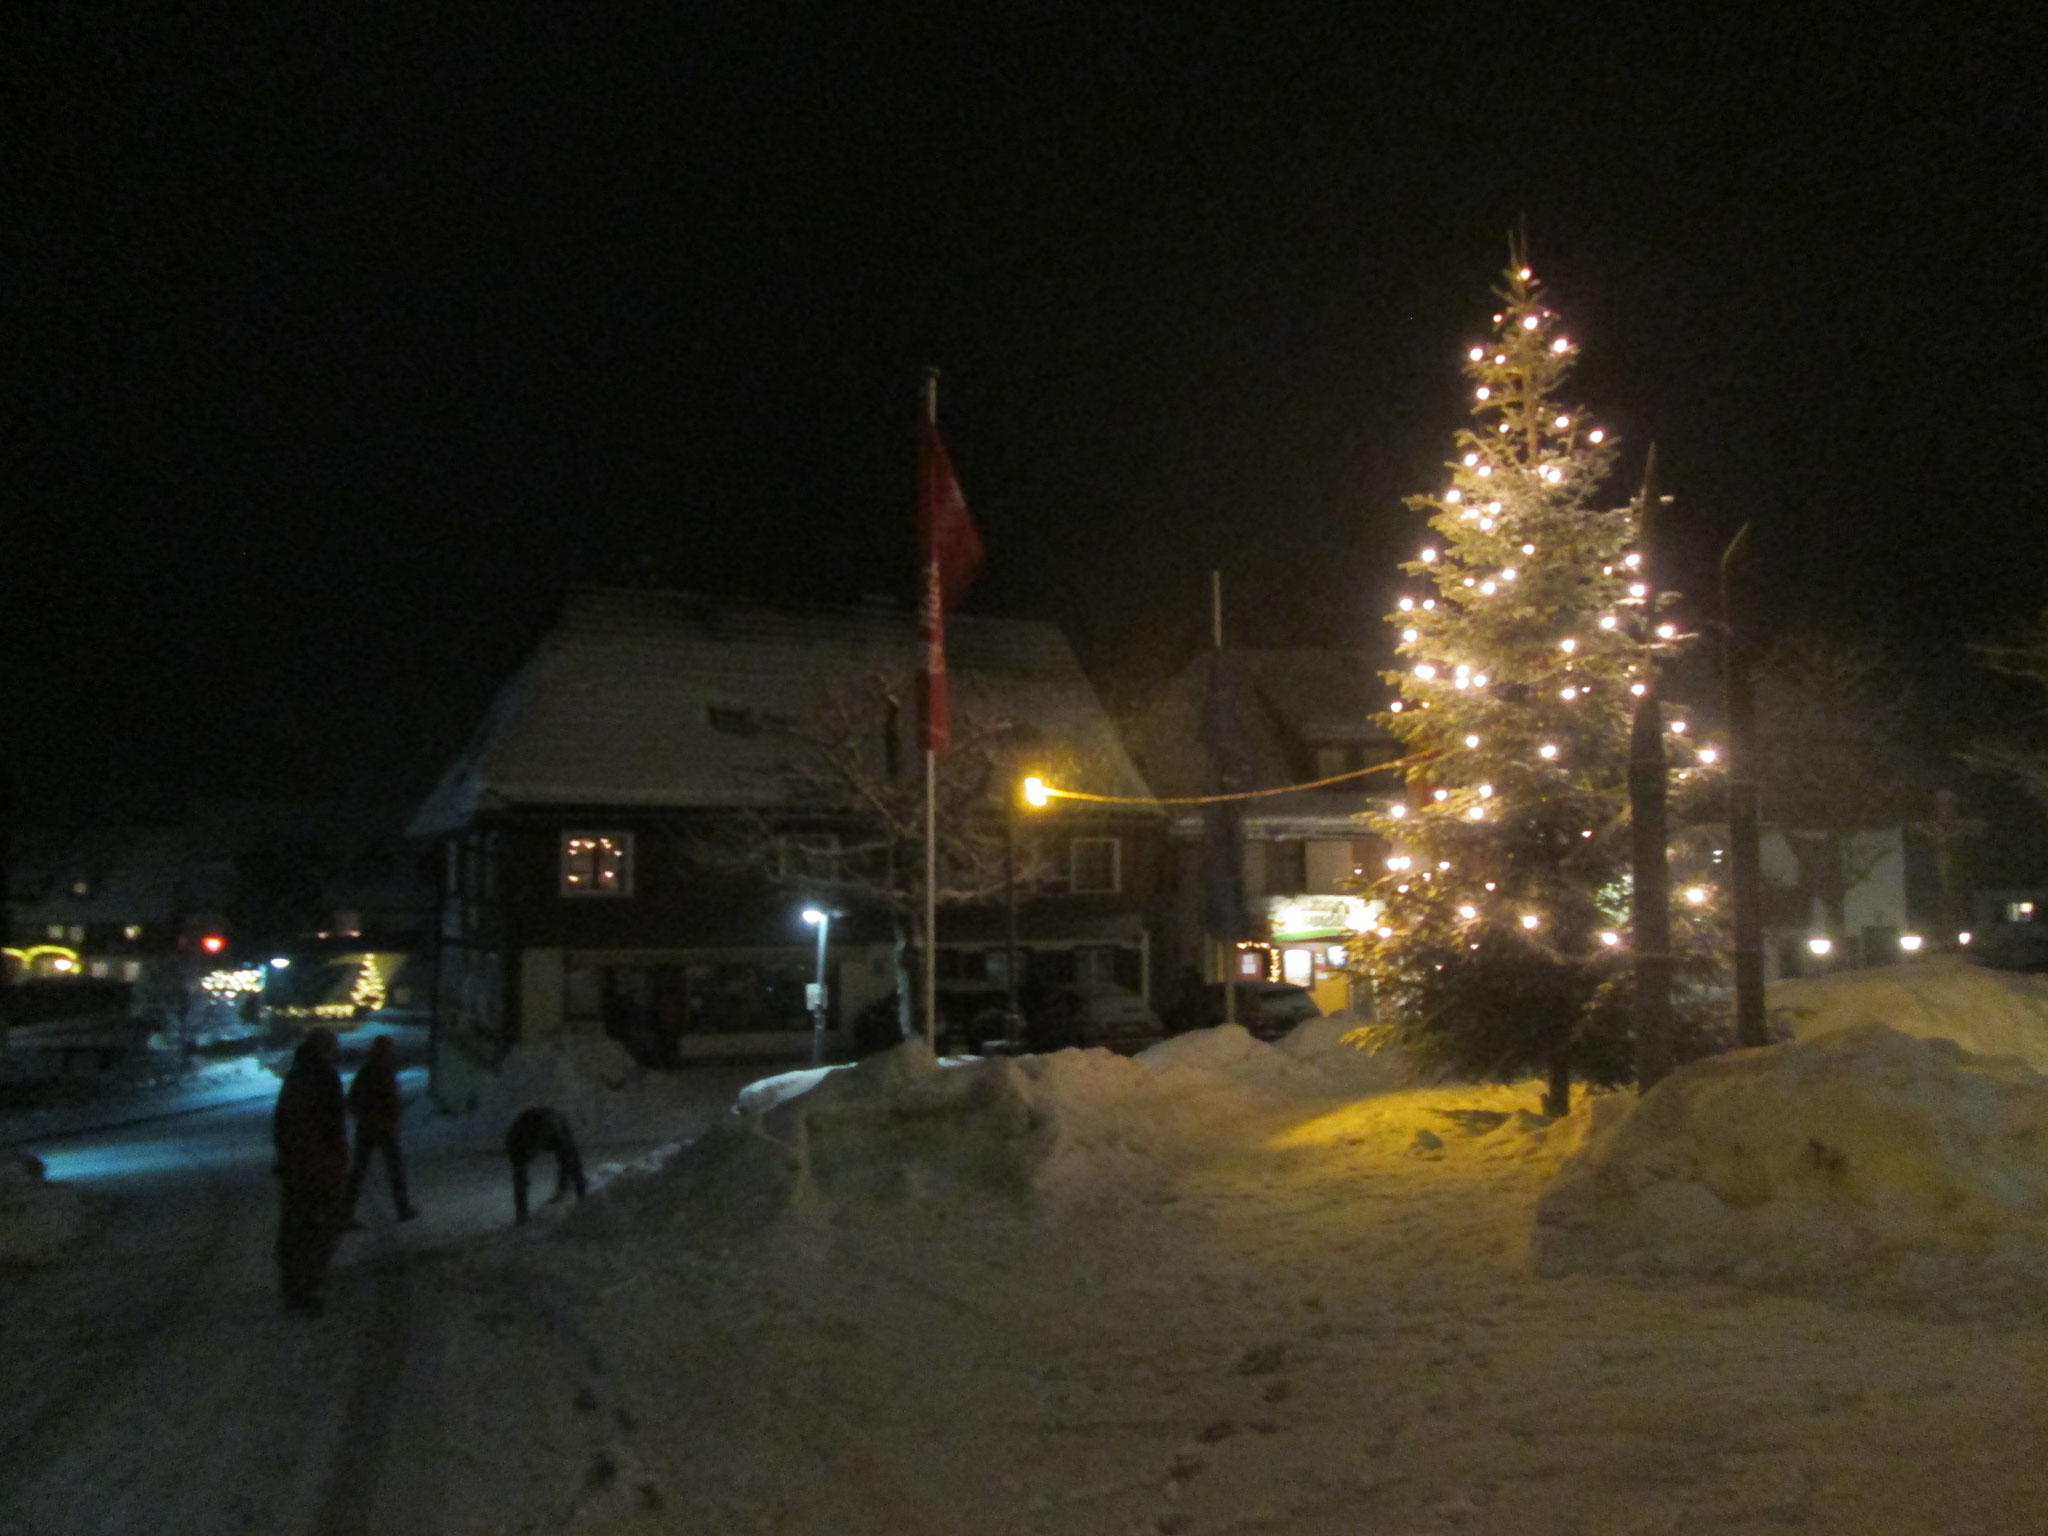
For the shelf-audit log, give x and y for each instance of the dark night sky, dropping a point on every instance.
(342, 341)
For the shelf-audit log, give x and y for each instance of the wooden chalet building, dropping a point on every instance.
(657, 794)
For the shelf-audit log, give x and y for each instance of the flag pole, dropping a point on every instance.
(931, 797)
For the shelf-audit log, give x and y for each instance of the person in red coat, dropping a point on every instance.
(373, 1099)
(310, 1131)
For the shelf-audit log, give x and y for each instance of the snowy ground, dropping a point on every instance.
(1226, 1288)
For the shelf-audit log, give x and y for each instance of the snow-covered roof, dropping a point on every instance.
(1289, 701)
(639, 698)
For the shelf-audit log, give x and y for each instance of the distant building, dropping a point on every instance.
(1297, 716)
(645, 809)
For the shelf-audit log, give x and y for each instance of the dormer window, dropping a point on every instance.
(597, 863)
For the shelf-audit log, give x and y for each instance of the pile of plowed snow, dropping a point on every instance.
(1863, 1159)
(1994, 1013)
(37, 1218)
(1080, 1124)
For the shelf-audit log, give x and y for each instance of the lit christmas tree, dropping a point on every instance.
(1527, 638)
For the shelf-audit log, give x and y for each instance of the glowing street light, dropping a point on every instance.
(820, 919)
(1037, 792)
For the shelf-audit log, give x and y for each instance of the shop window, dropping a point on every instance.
(597, 863)
(1298, 966)
(1096, 864)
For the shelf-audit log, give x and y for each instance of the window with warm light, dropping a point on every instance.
(597, 863)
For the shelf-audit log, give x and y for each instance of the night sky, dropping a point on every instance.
(342, 339)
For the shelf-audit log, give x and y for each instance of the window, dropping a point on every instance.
(131, 932)
(2019, 911)
(597, 863)
(1286, 867)
(1331, 761)
(1095, 864)
(1095, 963)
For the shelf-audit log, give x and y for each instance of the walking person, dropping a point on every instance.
(310, 1131)
(373, 1100)
(539, 1130)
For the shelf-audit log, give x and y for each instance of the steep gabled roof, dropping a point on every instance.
(1288, 702)
(667, 699)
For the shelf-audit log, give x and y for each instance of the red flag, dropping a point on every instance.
(951, 552)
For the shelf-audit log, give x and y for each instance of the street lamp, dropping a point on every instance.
(1033, 792)
(820, 919)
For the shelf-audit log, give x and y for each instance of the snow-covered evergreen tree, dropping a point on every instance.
(1526, 632)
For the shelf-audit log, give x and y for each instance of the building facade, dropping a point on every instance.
(671, 781)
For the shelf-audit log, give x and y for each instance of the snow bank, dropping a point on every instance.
(1993, 1013)
(591, 1079)
(1072, 1125)
(1861, 1160)
(37, 1219)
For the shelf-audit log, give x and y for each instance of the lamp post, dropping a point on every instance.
(820, 919)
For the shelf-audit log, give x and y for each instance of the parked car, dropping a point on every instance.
(1269, 1009)
(1095, 1014)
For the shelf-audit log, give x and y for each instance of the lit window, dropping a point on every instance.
(597, 863)
(132, 932)
(1096, 864)
(2019, 911)
(131, 970)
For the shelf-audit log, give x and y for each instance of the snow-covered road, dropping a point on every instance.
(1230, 1298)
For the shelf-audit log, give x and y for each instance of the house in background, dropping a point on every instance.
(1832, 901)
(175, 909)
(1294, 716)
(654, 798)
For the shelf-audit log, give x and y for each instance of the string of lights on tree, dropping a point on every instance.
(1526, 630)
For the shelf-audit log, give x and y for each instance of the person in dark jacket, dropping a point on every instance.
(373, 1100)
(539, 1130)
(310, 1131)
